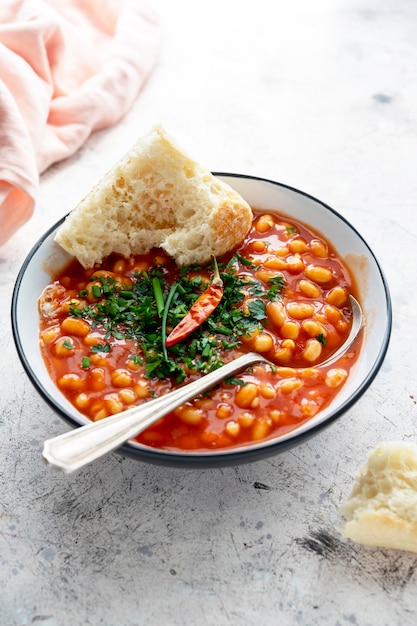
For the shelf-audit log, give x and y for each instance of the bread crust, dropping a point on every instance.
(156, 196)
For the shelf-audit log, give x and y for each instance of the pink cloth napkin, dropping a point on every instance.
(67, 68)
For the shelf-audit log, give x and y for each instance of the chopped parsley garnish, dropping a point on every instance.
(148, 310)
(277, 287)
(101, 347)
(232, 380)
(136, 359)
(96, 291)
(256, 290)
(85, 363)
(243, 260)
(257, 309)
(322, 339)
(67, 344)
(159, 299)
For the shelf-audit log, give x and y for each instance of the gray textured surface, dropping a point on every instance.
(319, 95)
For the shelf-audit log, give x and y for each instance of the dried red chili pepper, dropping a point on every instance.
(202, 308)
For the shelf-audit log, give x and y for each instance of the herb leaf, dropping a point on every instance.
(277, 287)
(257, 309)
(159, 299)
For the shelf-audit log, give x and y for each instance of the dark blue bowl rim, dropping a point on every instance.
(162, 457)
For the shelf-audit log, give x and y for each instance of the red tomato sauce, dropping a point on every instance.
(291, 276)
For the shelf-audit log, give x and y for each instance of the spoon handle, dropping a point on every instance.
(76, 448)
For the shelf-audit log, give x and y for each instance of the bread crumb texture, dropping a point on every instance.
(382, 509)
(156, 196)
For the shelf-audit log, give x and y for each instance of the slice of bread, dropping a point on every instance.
(382, 509)
(156, 196)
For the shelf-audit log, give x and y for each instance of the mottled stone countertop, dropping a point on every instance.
(318, 95)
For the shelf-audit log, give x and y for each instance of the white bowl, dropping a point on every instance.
(46, 258)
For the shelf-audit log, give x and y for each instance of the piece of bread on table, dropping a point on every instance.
(382, 509)
(156, 196)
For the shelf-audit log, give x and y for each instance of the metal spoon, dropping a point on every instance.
(76, 448)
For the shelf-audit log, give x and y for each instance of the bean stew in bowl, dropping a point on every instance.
(94, 342)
